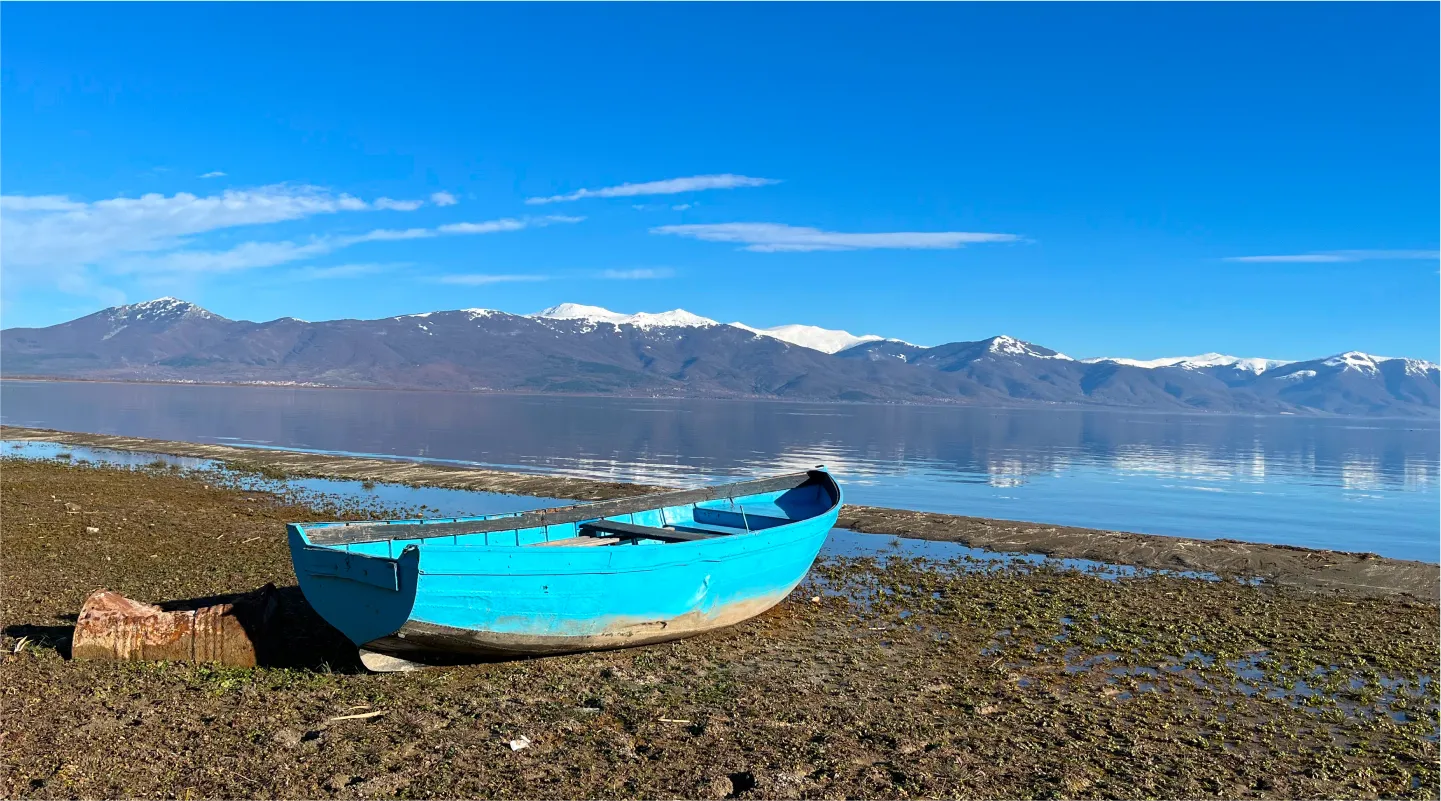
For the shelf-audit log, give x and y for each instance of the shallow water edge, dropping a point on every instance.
(1326, 571)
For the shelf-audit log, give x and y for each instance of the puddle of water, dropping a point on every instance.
(51, 450)
(432, 501)
(947, 556)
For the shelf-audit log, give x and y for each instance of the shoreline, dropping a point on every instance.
(1312, 570)
(902, 678)
(1037, 406)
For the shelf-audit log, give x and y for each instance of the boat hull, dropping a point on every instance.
(457, 600)
(421, 641)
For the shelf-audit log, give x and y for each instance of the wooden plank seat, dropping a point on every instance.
(579, 542)
(627, 532)
(632, 531)
(709, 528)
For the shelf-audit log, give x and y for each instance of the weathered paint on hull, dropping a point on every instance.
(470, 596)
(419, 640)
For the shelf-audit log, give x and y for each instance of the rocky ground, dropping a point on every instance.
(876, 679)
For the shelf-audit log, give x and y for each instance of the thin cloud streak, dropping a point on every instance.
(338, 271)
(1337, 256)
(483, 279)
(38, 203)
(670, 186)
(444, 199)
(388, 204)
(638, 274)
(779, 238)
(213, 174)
(254, 255)
(54, 232)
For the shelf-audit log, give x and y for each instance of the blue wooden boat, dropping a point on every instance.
(579, 578)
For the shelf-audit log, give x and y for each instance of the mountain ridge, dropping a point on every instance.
(588, 349)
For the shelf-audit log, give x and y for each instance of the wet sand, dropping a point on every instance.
(1360, 574)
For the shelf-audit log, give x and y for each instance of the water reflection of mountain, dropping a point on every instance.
(668, 440)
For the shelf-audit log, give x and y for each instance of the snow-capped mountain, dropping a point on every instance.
(1368, 363)
(587, 349)
(1204, 360)
(825, 340)
(1351, 360)
(1010, 346)
(675, 318)
(158, 310)
(807, 336)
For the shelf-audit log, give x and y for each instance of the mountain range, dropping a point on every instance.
(586, 349)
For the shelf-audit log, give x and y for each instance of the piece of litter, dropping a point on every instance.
(20, 646)
(816, 599)
(672, 720)
(91, 530)
(362, 716)
(252, 539)
(519, 743)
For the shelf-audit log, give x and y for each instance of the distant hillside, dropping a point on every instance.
(584, 349)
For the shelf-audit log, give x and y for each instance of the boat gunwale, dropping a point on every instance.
(339, 534)
(645, 559)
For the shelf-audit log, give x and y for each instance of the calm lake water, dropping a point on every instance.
(1334, 483)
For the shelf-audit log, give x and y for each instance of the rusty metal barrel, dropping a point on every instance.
(114, 628)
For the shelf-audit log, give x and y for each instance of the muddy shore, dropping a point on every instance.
(888, 680)
(1361, 574)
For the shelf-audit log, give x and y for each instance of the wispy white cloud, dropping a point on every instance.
(254, 255)
(38, 203)
(388, 204)
(507, 224)
(338, 271)
(638, 274)
(681, 206)
(481, 279)
(245, 256)
(444, 199)
(487, 227)
(670, 186)
(53, 231)
(385, 235)
(213, 174)
(776, 237)
(1334, 256)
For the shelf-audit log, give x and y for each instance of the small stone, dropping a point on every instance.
(289, 738)
(718, 787)
(72, 507)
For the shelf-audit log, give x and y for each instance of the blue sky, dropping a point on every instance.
(1137, 180)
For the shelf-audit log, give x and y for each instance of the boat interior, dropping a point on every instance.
(658, 519)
